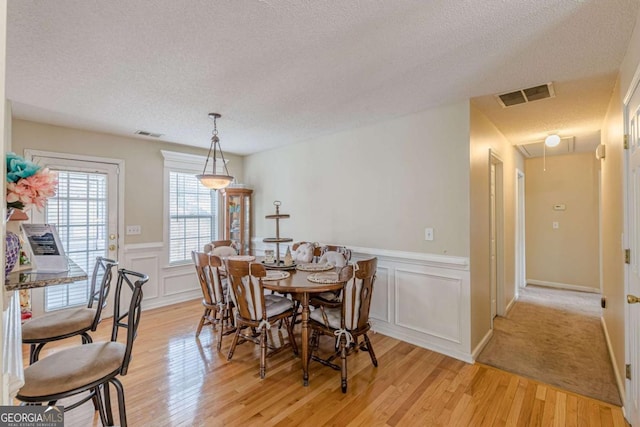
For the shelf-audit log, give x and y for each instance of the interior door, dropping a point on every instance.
(493, 243)
(632, 404)
(85, 212)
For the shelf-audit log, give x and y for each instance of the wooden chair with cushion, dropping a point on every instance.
(71, 322)
(90, 367)
(217, 310)
(257, 311)
(346, 323)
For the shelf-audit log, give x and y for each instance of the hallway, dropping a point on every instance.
(555, 336)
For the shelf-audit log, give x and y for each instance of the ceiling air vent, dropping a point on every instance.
(523, 96)
(145, 133)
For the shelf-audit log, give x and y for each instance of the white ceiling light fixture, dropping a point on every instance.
(552, 140)
(214, 180)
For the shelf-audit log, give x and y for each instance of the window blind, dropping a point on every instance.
(80, 212)
(192, 216)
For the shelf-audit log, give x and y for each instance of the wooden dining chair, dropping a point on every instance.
(346, 323)
(217, 307)
(257, 311)
(71, 322)
(90, 367)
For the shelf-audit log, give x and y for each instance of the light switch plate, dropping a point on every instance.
(134, 229)
(428, 233)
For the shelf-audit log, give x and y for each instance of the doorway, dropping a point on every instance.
(520, 255)
(496, 235)
(85, 211)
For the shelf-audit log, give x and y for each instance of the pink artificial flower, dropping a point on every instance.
(34, 190)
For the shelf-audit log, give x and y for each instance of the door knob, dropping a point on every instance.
(112, 237)
(632, 299)
(112, 247)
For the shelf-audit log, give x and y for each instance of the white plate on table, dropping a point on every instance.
(325, 277)
(276, 275)
(314, 267)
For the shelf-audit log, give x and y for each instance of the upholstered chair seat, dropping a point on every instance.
(59, 323)
(72, 368)
(332, 315)
(71, 322)
(276, 304)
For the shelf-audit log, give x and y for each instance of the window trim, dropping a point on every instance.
(184, 163)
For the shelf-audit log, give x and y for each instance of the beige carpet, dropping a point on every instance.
(555, 336)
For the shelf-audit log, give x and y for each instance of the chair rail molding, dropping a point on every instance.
(420, 298)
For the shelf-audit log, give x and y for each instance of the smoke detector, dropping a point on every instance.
(523, 96)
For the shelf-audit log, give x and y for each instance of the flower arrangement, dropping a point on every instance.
(28, 184)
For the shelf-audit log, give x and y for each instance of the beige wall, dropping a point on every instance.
(568, 255)
(378, 186)
(613, 227)
(144, 165)
(484, 137)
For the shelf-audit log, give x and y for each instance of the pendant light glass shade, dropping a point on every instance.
(214, 180)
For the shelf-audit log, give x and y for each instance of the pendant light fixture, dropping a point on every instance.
(552, 140)
(213, 180)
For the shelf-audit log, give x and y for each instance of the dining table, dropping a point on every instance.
(298, 285)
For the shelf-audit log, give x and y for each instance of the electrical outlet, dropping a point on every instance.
(134, 229)
(428, 233)
(556, 225)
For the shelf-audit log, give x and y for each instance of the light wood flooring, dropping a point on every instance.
(177, 380)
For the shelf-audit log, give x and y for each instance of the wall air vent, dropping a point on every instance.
(524, 96)
(145, 133)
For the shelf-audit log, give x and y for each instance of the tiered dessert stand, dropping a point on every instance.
(278, 264)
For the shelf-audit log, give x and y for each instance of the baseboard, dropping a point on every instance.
(612, 356)
(171, 299)
(395, 332)
(510, 306)
(566, 286)
(476, 351)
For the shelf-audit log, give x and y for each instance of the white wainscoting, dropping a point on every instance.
(167, 284)
(423, 299)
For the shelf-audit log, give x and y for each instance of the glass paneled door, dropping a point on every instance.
(85, 212)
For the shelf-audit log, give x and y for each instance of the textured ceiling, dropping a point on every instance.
(282, 72)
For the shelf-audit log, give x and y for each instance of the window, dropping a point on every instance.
(79, 209)
(191, 218)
